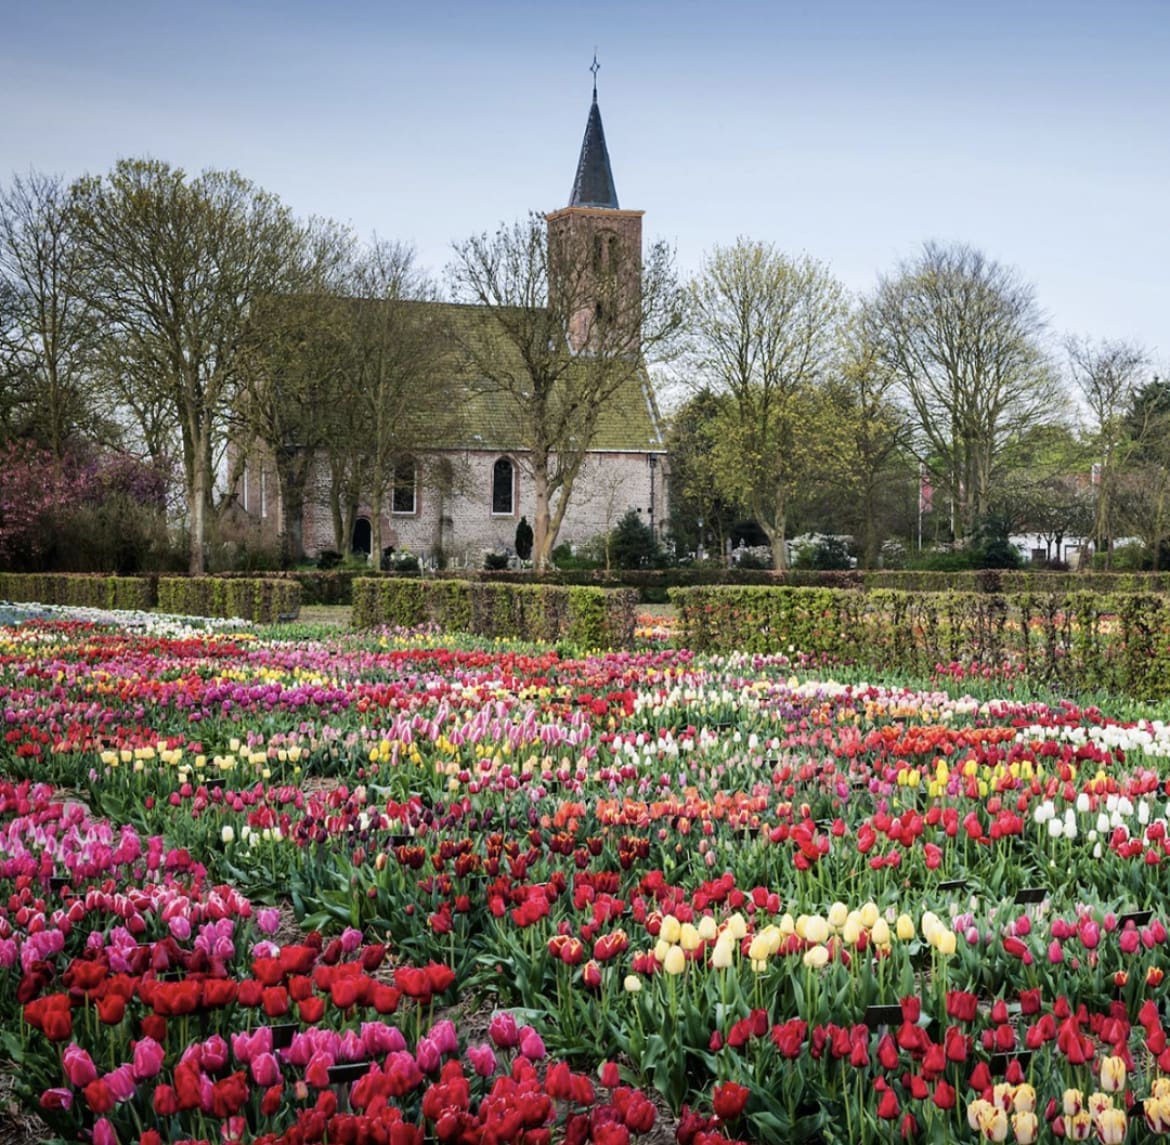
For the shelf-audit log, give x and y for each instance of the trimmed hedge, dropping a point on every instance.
(1084, 640)
(260, 600)
(79, 590)
(589, 617)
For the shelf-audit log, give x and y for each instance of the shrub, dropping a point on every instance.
(632, 544)
(523, 540)
(260, 600)
(588, 617)
(494, 562)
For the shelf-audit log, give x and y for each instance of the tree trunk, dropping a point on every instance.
(541, 535)
(376, 527)
(197, 507)
(292, 509)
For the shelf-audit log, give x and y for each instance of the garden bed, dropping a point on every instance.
(390, 886)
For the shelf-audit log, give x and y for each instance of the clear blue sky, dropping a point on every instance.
(1037, 130)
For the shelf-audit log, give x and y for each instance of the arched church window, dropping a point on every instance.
(503, 487)
(405, 498)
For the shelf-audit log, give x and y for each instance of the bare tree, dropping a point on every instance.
(395, 401)
(301, 342)
(46, 328)
(1107, 374)
(963, 336)
(173, 267)
(766, 331)
(562, 335)
(880, 435)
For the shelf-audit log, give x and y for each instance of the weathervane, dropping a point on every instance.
(595, 67)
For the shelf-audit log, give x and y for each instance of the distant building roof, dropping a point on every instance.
(593, 186)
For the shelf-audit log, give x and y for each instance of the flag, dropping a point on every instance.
(925, 491)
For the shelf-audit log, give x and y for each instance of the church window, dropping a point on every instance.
(503, 488)
(405, 496)
(244, 489)
(263, 492)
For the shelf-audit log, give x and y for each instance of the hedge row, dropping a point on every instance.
(1114, 641)
(588, 617)
(79, 590)
(260, 600)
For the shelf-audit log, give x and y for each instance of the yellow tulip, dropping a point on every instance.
(671, 929)
(838, 913)
(880, 934)
(707, 928)
(851, 932)
(758, 950)
(816, 930)
(1024, 1098)
(689, 938)
(869, 915)
(632, 984)
(994, 1124)
(1072, 1102)
(946, 942)
(816, 957)
(737, 926)
(675, 961)
(1026, 1126)
(1111, 1126)
(1112, 1074)
(723, 954)
(660, 950)
(904, 928)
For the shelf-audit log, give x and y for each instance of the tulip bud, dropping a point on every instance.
(1026, 1126)
(904, 928)
(632, 984)
(675, 961)
(1112, 1074)
(816, 930)
(723, 954)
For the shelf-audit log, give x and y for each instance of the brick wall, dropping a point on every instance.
(609, 484)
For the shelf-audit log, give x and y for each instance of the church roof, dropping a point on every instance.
(628, 421)
(593, 186)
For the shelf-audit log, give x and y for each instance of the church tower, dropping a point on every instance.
(595, 249)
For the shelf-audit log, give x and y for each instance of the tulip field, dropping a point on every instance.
(403, 887)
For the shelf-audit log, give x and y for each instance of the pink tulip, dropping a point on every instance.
(103, 1133)
(1055, 952)
(503, 1030)
(531, 1044)
(121, 1082)
(148, 1059)
(1090, 934)
(483, 1059)
(265, 1069)
(79, 1067)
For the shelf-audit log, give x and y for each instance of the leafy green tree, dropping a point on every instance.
(633, 545)
(700, 514)
(766, 330)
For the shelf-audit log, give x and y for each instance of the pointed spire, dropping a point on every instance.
(593, 186)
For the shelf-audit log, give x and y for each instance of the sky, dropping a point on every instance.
(853, 130)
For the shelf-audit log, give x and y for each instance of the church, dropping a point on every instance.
(465, 498)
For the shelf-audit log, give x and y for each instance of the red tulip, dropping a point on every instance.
(729, 1100)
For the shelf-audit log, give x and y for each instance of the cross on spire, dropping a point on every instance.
(595, 67)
